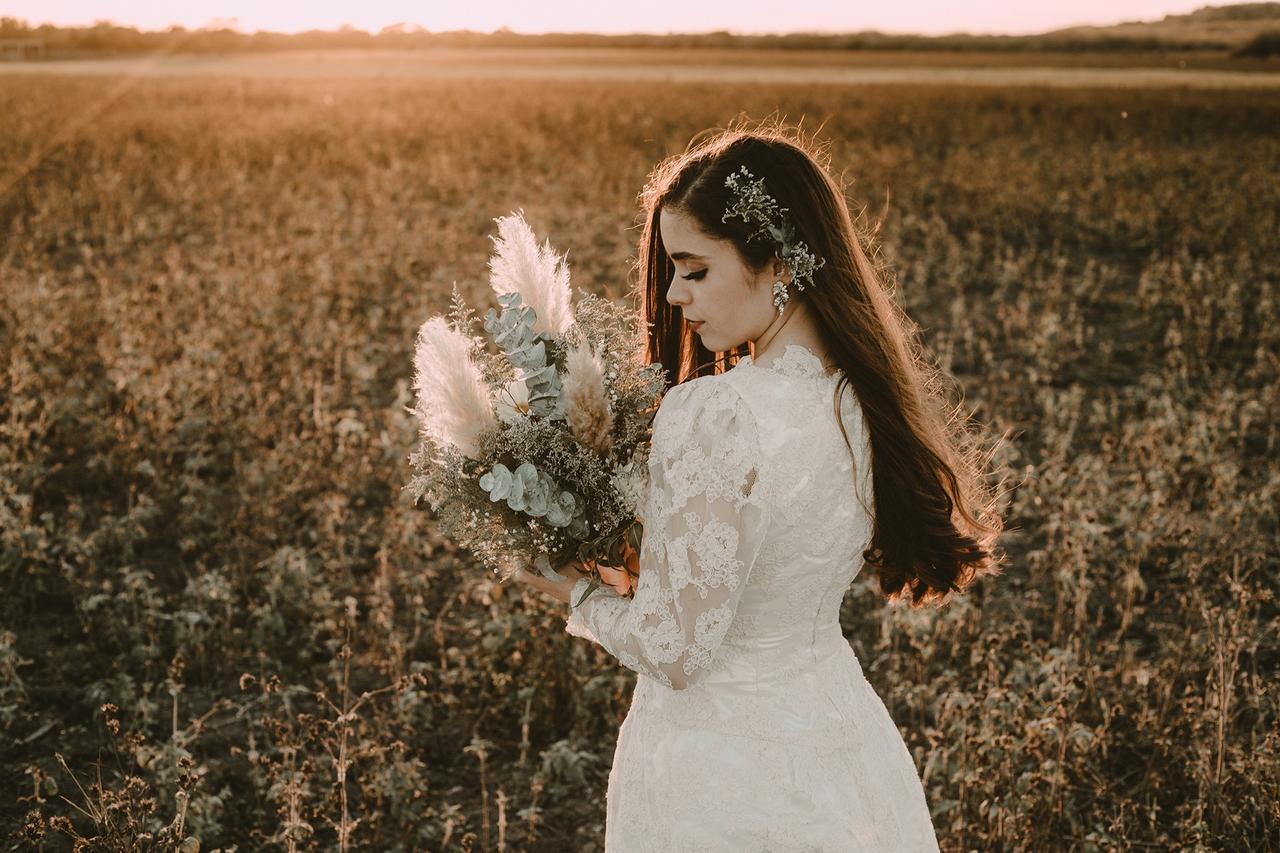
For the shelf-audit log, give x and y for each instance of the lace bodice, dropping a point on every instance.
(754, 526)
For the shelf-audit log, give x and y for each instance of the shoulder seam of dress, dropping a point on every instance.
(691, 386)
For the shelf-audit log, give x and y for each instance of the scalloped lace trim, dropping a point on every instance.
(796, 360)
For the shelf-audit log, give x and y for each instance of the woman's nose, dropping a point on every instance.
(673, 293)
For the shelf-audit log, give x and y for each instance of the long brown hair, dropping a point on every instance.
(936, 518)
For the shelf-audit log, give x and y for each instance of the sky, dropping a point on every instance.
(930, 17)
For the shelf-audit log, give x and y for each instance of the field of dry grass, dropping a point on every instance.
(1205, 69)
(216, 602)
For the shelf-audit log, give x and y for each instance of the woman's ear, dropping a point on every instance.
(780, 271)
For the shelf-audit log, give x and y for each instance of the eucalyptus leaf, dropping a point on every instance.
(512, 331)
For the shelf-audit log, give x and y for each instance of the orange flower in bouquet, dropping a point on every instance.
(622, 579)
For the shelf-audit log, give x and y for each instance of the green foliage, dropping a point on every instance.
(208, 300)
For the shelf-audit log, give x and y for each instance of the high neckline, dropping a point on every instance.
(796, 360)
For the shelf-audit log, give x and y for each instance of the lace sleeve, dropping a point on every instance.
(704, 525)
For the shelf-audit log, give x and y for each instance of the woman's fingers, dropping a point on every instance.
(552, 588)
(528, 577)
(622, 580)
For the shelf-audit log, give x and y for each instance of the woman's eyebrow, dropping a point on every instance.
(687, 256)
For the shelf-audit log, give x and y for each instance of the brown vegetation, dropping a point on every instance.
(219, 609)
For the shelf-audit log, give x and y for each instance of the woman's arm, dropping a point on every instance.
(707, 516)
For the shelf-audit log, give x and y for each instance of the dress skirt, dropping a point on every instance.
(804, 760)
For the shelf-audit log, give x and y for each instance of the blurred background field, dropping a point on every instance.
(1190, 69)
(217, 603)
(1235, 32)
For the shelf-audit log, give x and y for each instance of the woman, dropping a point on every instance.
(752, 727)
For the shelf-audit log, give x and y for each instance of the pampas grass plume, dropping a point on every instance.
(538, 274)
(453, 400)
(586, 406)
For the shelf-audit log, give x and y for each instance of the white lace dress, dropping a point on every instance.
(751, 727)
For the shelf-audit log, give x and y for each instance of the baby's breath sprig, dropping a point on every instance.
(754, 206)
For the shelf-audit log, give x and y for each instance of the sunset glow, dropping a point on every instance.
(659, 16)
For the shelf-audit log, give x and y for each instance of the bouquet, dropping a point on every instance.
(534, 452)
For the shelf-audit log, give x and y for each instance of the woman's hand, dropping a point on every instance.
(621, 580)
(559, 590)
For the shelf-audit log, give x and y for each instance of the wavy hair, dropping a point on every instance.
(936, 518)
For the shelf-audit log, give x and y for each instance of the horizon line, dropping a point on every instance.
(212, 26)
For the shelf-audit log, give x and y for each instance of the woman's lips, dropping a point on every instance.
(697, 325)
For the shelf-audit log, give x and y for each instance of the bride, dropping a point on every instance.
(815, 445)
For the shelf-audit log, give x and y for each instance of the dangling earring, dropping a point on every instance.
(780, 296)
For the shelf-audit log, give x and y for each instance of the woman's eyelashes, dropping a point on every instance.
(694, 276)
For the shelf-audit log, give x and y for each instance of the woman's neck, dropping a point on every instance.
(791, 327)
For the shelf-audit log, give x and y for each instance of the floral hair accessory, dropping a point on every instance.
(754, 206)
